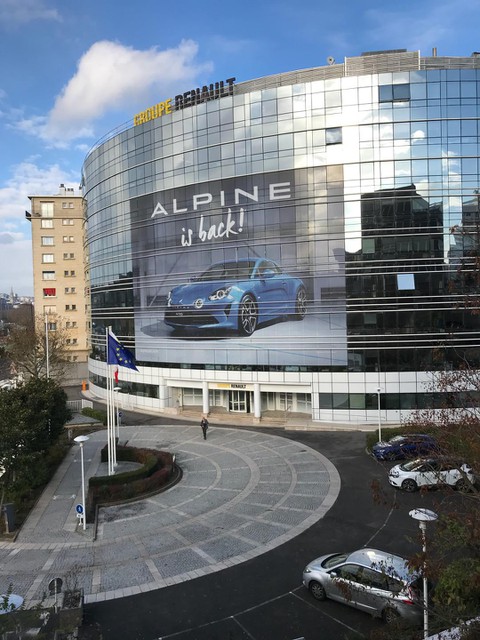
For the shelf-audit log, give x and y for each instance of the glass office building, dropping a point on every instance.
(297, 243)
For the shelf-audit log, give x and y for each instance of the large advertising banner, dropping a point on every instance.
(239, 272)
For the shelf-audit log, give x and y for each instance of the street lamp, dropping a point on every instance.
(80, 440)
(379, 415)
(47, 355)
(423, 516)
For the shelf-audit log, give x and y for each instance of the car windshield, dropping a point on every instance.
(413, 465)
(333, 561)
(227, 271)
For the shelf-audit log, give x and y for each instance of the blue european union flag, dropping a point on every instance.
(118, 354)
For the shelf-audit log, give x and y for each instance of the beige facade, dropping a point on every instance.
(59, 268)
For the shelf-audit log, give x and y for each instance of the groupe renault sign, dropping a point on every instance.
(213, 91)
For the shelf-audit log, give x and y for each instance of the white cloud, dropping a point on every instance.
(16, 270)
(23, 11)
(112, 77)
(27, 180)
(15, 239)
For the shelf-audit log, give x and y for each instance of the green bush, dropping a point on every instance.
(156, 470)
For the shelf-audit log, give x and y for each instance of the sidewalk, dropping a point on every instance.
(243, 493)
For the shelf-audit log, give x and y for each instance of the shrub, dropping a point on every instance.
(157, 469)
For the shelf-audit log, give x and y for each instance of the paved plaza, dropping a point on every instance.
(242, 494)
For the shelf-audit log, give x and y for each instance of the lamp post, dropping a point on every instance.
(80, 440)
(47, 355)
(423, 516)
(379, 415)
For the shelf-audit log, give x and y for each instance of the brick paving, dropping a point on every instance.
(242, 494)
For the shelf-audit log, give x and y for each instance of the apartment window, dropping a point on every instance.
(48, 275)
(68, 239)
(48, 257)
(46, 224)
(69, 274)
(68, 256)
(49, 292)
(46, 209)
(70, 307)
(64, 205)
(333, 135)
(52, 326)
(69, 290)
(67, 222)
(47, 241)
(394, 93)
(50, 309)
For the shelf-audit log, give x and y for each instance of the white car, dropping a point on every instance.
(431, 472)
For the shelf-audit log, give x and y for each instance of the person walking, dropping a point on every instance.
(204, 425)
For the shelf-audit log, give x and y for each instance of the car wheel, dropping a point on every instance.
(301, 304)
(317, 590)
(409, 485)
(247, 315)
(463, 485)
(389, 615)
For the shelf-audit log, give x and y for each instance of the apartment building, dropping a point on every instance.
(59, 274)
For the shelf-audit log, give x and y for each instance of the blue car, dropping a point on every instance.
(410, 445)
(236, 295)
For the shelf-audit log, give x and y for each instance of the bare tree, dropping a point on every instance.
(38, 349)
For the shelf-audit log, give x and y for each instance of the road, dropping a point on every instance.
(263, 598)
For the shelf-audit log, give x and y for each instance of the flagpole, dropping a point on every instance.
(117, 355)
(109, 411)
(109, 453)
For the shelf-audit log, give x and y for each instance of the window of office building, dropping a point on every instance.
(394, 92)
(333, 135)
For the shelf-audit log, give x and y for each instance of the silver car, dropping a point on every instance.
(374, 581)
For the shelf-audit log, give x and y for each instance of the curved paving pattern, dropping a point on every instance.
(242, 494)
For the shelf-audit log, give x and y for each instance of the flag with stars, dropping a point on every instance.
(118, 354)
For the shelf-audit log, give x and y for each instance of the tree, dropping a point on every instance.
(32, 417)
(37, 352)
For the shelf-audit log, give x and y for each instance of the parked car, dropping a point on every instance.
(432, 472)
(374, 581)
(410, 445)
(237, 295)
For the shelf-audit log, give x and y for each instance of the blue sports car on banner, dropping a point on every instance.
(237, 295)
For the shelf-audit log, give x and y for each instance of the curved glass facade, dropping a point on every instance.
(296, 243)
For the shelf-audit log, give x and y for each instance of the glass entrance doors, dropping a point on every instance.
(239, 401)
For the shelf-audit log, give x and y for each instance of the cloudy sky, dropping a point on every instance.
(73, 71)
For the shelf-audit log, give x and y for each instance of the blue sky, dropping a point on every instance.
(73, 71)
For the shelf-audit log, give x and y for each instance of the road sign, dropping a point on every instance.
(79, 508)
